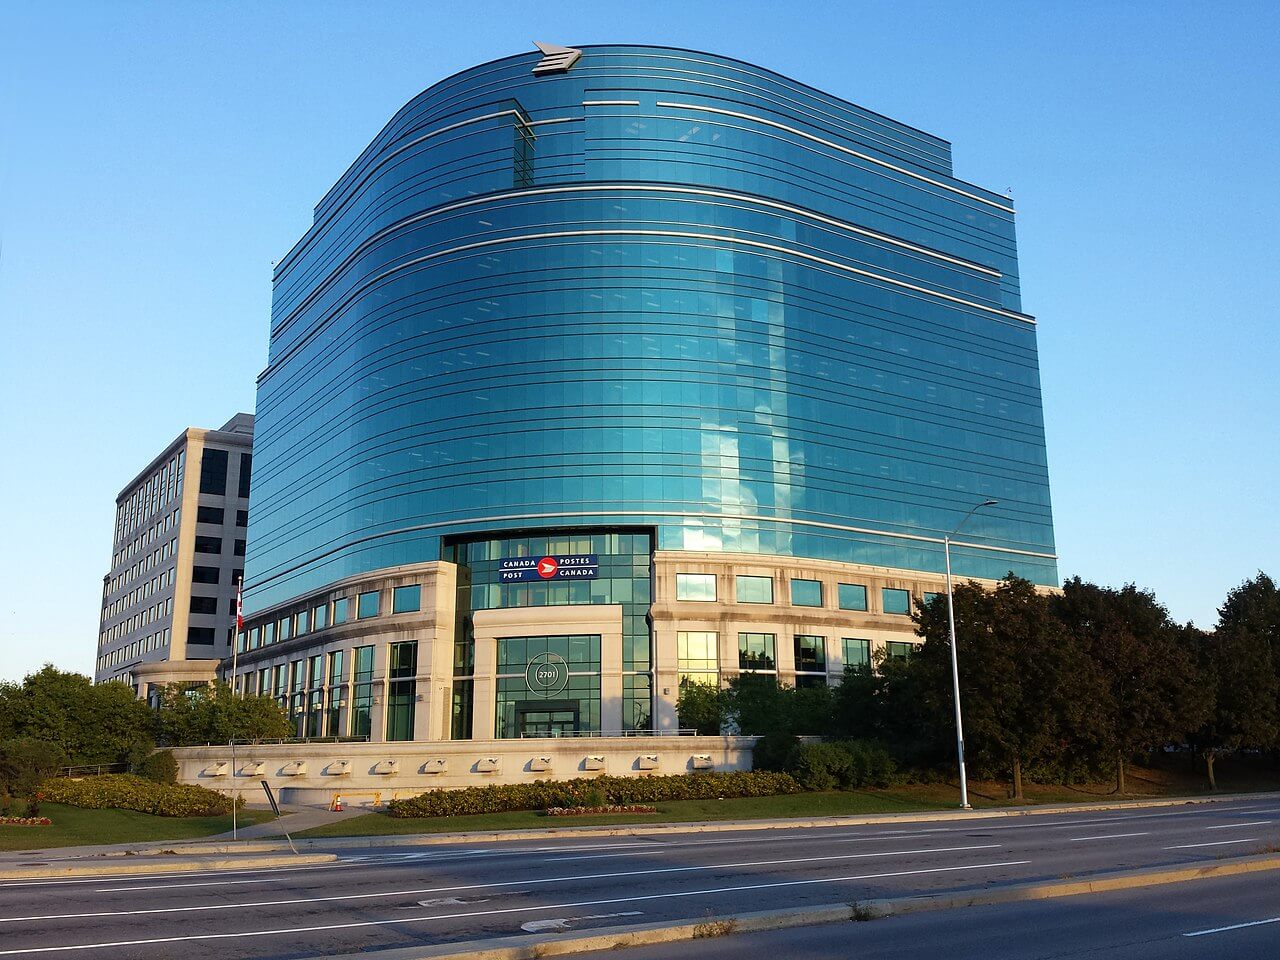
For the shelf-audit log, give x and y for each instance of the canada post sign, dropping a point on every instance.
(516, 569)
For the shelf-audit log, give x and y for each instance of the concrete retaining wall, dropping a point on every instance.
(372, 773)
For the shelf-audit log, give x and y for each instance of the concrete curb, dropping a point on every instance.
(170, 866)
(713, 826)
(615, 938)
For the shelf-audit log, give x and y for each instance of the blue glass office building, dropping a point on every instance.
(665, 309)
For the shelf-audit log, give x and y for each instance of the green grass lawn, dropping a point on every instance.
(73, 826)
(1142, 784)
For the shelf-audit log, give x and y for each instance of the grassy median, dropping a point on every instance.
(74, 826)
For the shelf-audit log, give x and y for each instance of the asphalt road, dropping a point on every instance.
(401, 897)
(1233, 917)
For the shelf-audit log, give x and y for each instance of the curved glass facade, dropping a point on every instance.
(663, 289)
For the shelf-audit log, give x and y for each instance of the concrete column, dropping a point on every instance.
(611, 675)
(666, 677)
(484, 694)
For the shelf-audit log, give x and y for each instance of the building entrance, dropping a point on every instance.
(542, 718)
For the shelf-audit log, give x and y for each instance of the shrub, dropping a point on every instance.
(771, 751)
(125, 791)
(819, 766)
(159, 767)
(621, 791)
(25, 761)
(848, 764)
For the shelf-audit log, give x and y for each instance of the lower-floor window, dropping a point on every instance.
(315, 713)
(756, 651)
(637, 701)
(857, 653)
(333, 714)
(898, 649)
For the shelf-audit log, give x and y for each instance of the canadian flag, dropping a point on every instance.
(239, 606)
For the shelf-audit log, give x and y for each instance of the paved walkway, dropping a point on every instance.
(293, 819)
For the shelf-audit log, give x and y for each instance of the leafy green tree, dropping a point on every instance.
(190, 716)
(700, 706)
(756, 704)
(1015, 661)
(1254, 606)
(103, 723)
(24, 762)
(1145, 671)
(1235, 698)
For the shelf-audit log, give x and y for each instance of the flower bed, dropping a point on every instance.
(126, 792)
(25, 822)
(606, 808)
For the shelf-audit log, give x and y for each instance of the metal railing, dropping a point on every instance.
(93, 769)
(569, 734)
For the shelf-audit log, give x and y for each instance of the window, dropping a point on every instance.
(285, 630)
(403, 668)
(362, 697)
(213, 472)
(754, 589)
(315, 671)
(268, 633)
(756, 651)
(208, 544)
(300, 623)
(242, 518)
(367, 605)
(239, 548)
(898, 650)
(930, 597)
(204, 604)
(896, 601)
(335, 668)
(255, 639)
(697, 654)
(853, 596)
(811, 654)
(406, 599)
(209, 515)
(204, 574)
(806, 593)
(857, 653)
(340, 611)
(246, 470)
(200, 636)
(695, 586)
(320, 617)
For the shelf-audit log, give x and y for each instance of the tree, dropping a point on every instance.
(103, 723)
(1015, 659)
(1144, 670)
(1254, 606)
(1236, 694)
(192, 716)
(700, 706)
(757, 705)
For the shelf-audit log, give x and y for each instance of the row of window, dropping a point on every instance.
(138, 594)
(162, 487)
(137, 621)
(406, 599)
(217, 515)
(698, 654)
(214, 545)
(314, 691)
(134, 650)
(213, 472)
(701, 587)
(148, 561)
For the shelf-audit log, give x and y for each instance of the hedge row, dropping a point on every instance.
(126, 792)
(622, 791)
(847, 764)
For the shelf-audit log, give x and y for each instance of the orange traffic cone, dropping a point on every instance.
(337, 803)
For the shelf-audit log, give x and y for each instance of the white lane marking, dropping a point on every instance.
(710, 891)
(1230, 826)
(490, 886)
(122, 878)
(1110, 836)
(562, 923)
(1234, 926)
(1214, 843)
(667, 850)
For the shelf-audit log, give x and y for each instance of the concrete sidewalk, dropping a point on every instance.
(293, 819)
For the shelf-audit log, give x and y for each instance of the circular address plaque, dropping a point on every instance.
(547, 675)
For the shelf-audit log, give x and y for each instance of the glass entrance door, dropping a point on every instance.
(542, 719)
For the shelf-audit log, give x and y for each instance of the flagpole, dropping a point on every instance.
(235, 641)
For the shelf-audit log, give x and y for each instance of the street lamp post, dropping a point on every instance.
(955, 667)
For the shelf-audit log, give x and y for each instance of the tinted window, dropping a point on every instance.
(896, 601)
(754, 589)
(246, 468)
(208, 544)
(406, 599)
(200, 636)
(242, 518)
(209, 515)
(853, 596)
(368, 605)
(204, 604)
(695, 586)
(213, 472)
(806, 593)
(204, 574)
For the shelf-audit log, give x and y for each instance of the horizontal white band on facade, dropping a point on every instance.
(611, 103)
(713, 237)
(685, 515)
(835, 146)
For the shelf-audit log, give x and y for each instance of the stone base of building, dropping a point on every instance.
(370, 774)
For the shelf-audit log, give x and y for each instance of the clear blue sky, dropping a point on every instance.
(158, 157)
